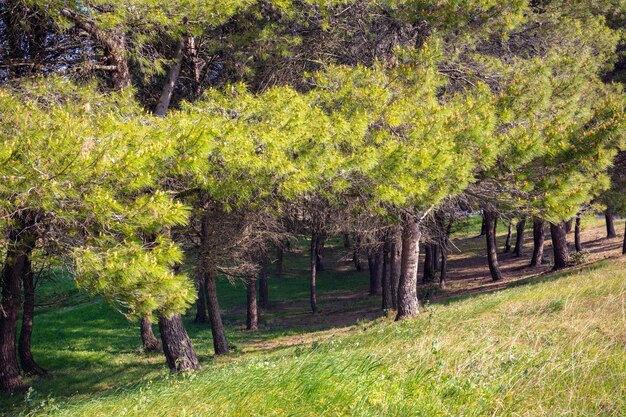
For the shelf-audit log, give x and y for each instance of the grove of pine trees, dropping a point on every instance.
(152, 148)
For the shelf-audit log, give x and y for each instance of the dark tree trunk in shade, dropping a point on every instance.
(356, 253)
(436, 248)
(279, 262)
(538, 242)
(624, 245)
(428, 263)
(177, 348)
(443, 277)
(319, 252)
(507, 242)
(408, 304)
(201, 314)
(20, 246)
(569, 225)
(252, 316)
(610, 225)
(387, 299)
(395, 266)
(264, 291)
(29, 366)
(519, 237)
(149, 341)
(483, 227)
(378, 271)
(492, 246)
(346, 241)
(577, 242)
(313, 282)
(559, 245)
(220, 344)
(443, 273)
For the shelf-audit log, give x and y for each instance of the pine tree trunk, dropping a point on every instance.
(610, 225)
(220, 344)
(170, 83)
(436, 256)
(177, 348)
(387, 299)
(569, 225)
(201, 315)
(507, 242)
(29, 366)
(395, 266)
(483, 227)
(279, 262)
(624, 245)
(20, 246)
(538, 242)
(492, 246)
(264, 292)
(559, 245)
(577, 242)
(149, 341)
(443, 277)
(428, 263)
(319, 251)
(252, 317)
(313, 283)
(356, 253)
(519, 237)
(408, 304)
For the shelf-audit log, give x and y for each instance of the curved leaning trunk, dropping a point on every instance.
(519, 237)
(149, 341)
(252, 310)
(220, 344)
(559, 245)
(29, 366)
(408, 304)
(492, 246)
(538, 242)
(177, 347)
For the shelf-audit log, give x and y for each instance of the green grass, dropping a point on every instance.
(555, 346)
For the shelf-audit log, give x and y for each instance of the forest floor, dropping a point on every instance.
(550, 349)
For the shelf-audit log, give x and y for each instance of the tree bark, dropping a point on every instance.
(355, 253)
(610, 225)
(313, 283)
(483, 227)
(149, 341)
(179, 352)
(170, 83)
(428, 263)
(201, 315)
(395, 266)
(577, 242)
(264, 292)
(492, 246)
(408, 304)
(624, 245)
(569, 225)
(387, 299)
(346, 240)
(29, 366)
(20, 246)
(559, 245)
(538, 242)
(319, 252)
(507, 242)
(376, 272)
(443, 277)
(220, 344)
(519, 237)
(252, 317)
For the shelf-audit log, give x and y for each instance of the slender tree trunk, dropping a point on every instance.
(279, 261)
(149, 341)
(428, 263)
(264, 292)
(577, 242)
(624, 245)
(519, 237)
(29, 366)
(395, 266)
(201, 315)
(192, 52)
(443, 277)
(378, 273)
(559, 245)
(435, 248)
(356, 252)
(483, 227)
(387, 298)
(507, 242)
(538, 242)
(569, 225)
(220, 344)
(177, 348)
(313, 293)
(408, 304)
(252, 318)
(170, 83)
(20, 246)
(319, 252)
(346, 240)
(610, 225)
(492, 246)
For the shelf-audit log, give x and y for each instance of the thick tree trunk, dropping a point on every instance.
(170, 83)
(492, 246)
(538, 242)
(201, 315)
(610, 225)
(149, 341)
(252, 317)
(569, 225)
(264, 291)
(408, 304)
(577, 242)
(279, 262)
(559, 245)
(428, 263)
(436, 249)
(177, 347)
(220, 344)
(29, 366)
(507, 242)
(395, 266)
(313, 283)
(519, 237)
(356, 253)
(387, 299)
